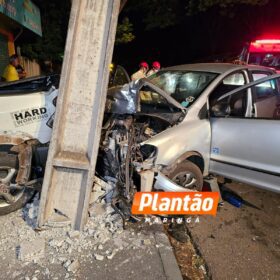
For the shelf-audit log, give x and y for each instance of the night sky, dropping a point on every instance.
(206, 36)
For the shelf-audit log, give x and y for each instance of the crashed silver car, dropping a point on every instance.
(183, 123)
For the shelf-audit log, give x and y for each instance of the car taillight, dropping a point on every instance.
(54, 101)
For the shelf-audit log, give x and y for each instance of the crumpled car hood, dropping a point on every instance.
(122, 99)
(126, 100)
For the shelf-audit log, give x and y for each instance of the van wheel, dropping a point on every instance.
(9, 167)
(22, 198)
(18, 197)
(187, 175)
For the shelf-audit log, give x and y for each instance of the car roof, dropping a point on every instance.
(215, 67)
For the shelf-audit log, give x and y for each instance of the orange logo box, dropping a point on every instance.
(174, 203)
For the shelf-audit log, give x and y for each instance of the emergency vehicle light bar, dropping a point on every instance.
(265, 45)
(268, 41)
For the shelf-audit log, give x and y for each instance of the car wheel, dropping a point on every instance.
(187, 175)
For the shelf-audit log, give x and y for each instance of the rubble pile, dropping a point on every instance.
(99, 230)
(102, 238)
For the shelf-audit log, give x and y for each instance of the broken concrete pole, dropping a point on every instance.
(74, 145)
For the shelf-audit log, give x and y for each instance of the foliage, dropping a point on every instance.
(165, 13)
(226, 7)
(156, 13)
(153, 13)
(124, 32)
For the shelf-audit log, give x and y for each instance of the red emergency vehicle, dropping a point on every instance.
(263, 51)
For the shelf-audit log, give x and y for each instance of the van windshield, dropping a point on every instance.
(265, 59)
(184, 86)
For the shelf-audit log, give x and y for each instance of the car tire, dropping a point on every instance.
(188, 175)
(20, 203)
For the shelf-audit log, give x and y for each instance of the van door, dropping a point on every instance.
(245, 147)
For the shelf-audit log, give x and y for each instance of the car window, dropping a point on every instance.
(265, 105)
(259, 75)
(184, 86)
(236, 79)
(265, 89)
(267, 99)
(234, 106)
(152, 102)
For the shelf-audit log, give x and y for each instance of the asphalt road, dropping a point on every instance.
(242, 243)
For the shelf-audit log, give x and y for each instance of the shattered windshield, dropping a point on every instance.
(184, 86)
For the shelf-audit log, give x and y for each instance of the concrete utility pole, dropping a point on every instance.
(73, 151)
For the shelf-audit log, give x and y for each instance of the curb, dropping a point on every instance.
(169, 262)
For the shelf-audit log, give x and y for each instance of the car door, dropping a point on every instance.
(118, 77)
(263, 95)
(246, 147)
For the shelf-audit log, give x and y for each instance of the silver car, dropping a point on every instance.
(213, 118)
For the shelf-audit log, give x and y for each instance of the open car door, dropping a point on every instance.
(118, 77)
(245, 146)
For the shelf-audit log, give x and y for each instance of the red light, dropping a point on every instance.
(265, 45)
(268, 41)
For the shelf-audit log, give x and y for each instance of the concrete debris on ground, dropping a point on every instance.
(73, 266)
(61, 242)
(98, 257)
(23, 246)
(31, 251)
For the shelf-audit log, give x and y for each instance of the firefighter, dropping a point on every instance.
(141, 73)
(155, 68)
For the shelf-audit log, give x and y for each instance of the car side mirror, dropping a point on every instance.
(220, 110)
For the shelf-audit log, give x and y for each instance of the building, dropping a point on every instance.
(17, 18)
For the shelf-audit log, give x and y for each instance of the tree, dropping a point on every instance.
(165, 13)
(154, 14)
(226, 7)
(157, 13)
(124, 32)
